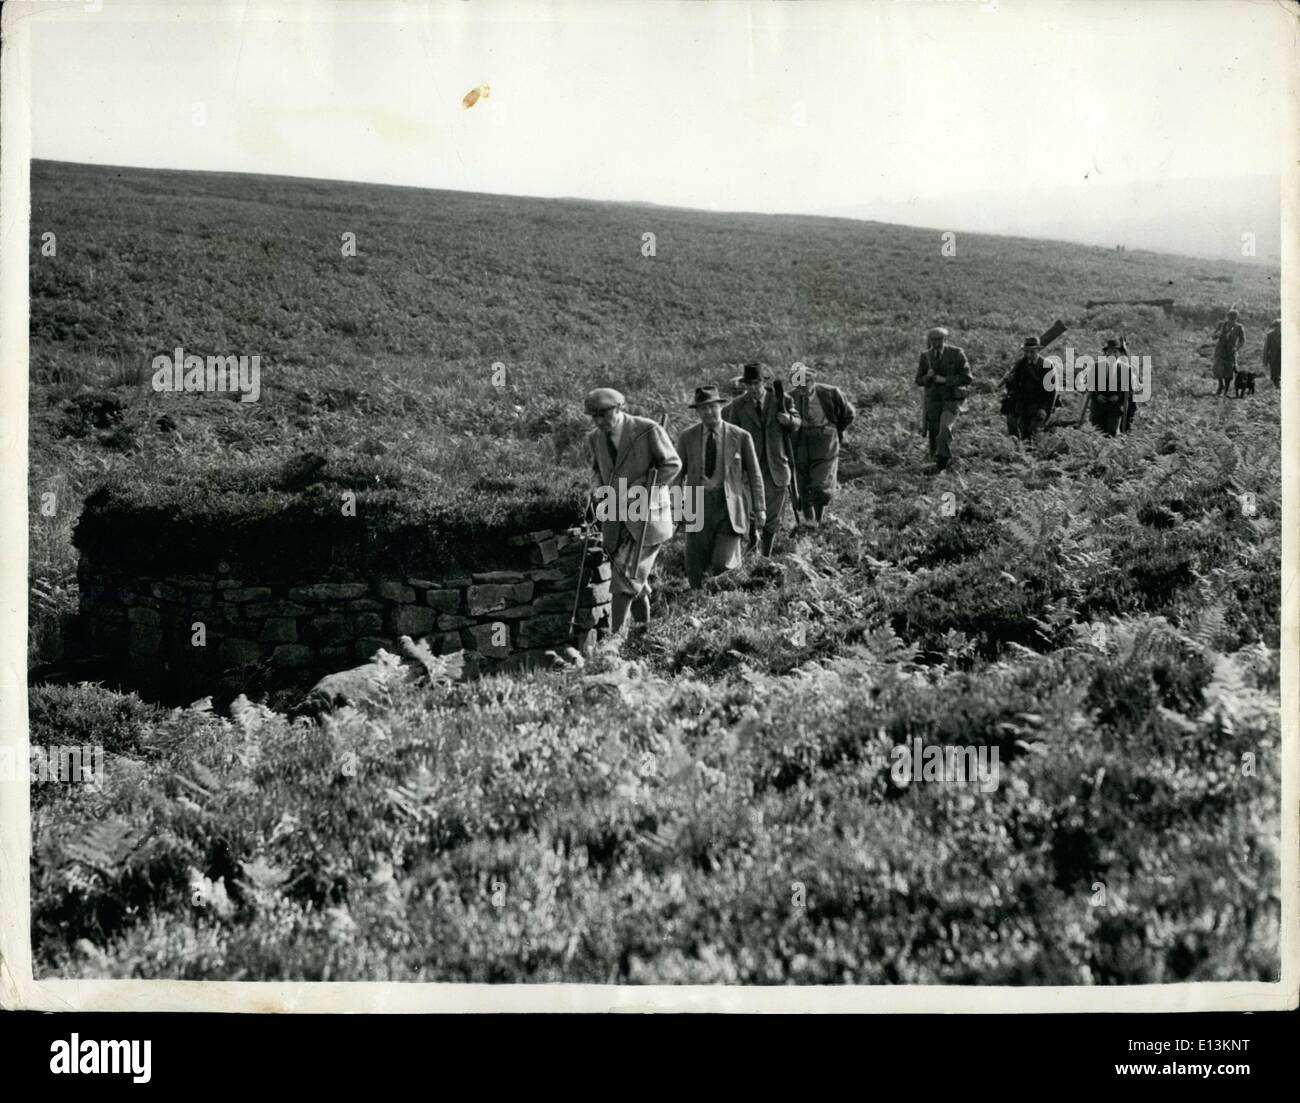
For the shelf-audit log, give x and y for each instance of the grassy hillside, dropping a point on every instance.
(1105, 612)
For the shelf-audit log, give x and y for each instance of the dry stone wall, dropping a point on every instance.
(179, 635)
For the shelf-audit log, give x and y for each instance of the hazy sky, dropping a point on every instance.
(815, 106)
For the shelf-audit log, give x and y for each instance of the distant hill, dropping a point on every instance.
(1202, 218)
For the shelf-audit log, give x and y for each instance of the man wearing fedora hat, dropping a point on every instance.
(766, 420)
(945, 374)
(824, 414)
(624, 451)
(1112, 406)
(1030, 399)
(719, 458)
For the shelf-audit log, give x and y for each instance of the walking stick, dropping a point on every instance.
(582, 565)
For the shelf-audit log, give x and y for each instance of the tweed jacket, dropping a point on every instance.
(644, 444)
(768, 433)
(741, 476)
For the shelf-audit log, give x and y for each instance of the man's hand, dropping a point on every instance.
(783, 419)
(939, 378)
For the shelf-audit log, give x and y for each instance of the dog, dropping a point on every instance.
(1244, 383)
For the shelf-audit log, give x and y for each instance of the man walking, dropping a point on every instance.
(627, 452)
(720, 458)
(945, 374)
(1111, 404)
(1030, 396)
(823, 415)
(1228, 338)
(766, 421)
(1273, 352)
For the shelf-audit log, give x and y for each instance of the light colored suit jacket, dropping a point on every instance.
(741, 476)
(768, 434)
(645, 444)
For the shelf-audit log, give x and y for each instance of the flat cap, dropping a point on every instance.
(938, 331)
(602, 398)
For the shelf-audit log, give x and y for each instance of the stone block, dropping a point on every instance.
(329, 591)
(366, 647)
(598, 594)
(423, 583)
(547, 629)
(167, 592)
(490, 597)
(545, 552)
(391, 590)
(279, 630)
(333, 631)
(141, 614)
(557, 602)
(236, 652)
(487, 639)
(143, 639)
(447, 623)
(367, 624)
(366, 604)
(293, 654)
(444, 643)
(530, 538)
(443, 601)
(249, 593)
(410, 620)
(499, 576)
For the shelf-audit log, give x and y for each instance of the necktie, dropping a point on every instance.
(613, 450)
(710, 454)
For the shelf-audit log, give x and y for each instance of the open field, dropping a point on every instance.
(1104, 612)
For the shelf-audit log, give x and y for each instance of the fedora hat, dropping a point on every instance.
(1032, 343)
(706, 395)
(753, 372)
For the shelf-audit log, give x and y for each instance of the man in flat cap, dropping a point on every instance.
(1273, 352)
(1030, 398)
(1228, 338)
(824, 414)
(720, 458)
(766, 420)
(627, 452)
(945, 374)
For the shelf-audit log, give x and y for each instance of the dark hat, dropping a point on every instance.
(706, 395)
(1233, 314)
(1032, 343)
(753, 372)
(1112, 345)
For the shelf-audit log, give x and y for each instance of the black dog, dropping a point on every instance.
(1245, 383)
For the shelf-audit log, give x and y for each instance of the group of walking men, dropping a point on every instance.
(743, 459)
(746, 456)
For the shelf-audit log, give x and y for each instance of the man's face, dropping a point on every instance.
(936, 345)
(755, 390)
(607, 420)
(710, 414)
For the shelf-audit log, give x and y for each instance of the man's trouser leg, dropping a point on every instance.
(803, 471)
(630, 581)
(715, 547)
(943, 437)
(774, 504)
